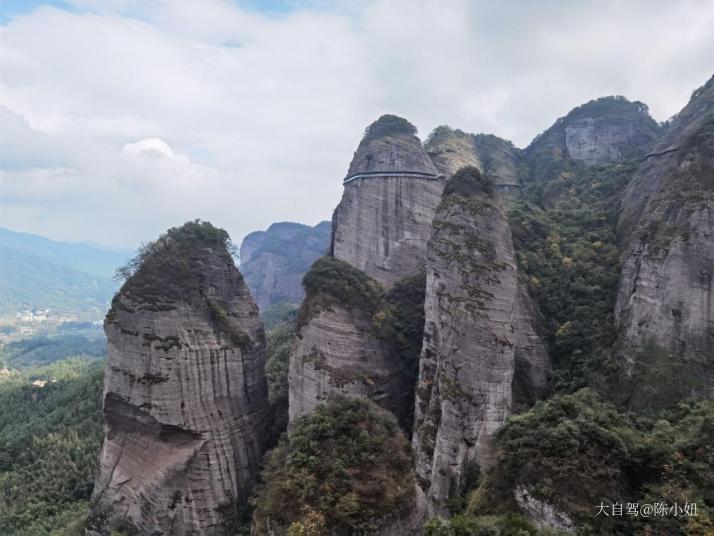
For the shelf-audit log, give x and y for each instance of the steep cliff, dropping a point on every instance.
(339, 349)
(391, 191)
(666, 302)
(451, 150)
(605, 130)
(500, 160)
(274, 261)
(480, 346)
(185, 395)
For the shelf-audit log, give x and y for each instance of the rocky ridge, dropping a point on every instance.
(666, 300)
(482, 356)
(338, 351)
(274, 261)
(478, 327)
(604, 130)
(391, 191)
(185, 394)
(451, 150)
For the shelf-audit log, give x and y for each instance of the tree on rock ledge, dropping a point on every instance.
(343, 468)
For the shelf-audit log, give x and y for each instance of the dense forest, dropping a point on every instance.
(50, 436)
(49, 441)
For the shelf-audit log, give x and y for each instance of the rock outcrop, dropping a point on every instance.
(542, 514)
(500, 160)
(609, 129)
(451, 150)
(185, 394)
(481, 348)
(392, 189)
(338, 351)
(274, 262)
(666, 298)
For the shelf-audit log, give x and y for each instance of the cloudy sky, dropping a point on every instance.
(120, 118)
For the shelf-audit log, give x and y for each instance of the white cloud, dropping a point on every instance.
(122, 117)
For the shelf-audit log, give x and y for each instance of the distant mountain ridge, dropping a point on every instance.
(36, 272)
(85, 257)
(274, 261)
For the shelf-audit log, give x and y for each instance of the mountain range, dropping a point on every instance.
(39, 273)
(494, 340)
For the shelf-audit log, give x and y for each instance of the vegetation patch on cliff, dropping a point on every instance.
(172, 268)
(399, 322)
(389, 124)
(577, 451)
(564, 235)
(279, 338)
(333, 282)
(343, 467)
(501, 525)
(468, 182)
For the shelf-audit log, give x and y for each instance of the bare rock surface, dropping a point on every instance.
(594, 141)
(185, 395)
(390, 145)
(478, 324)
(667, 223)
(451, 150)
(383, 221)
(608, 129)
(542, 514)
(500, 162)
(337, 351)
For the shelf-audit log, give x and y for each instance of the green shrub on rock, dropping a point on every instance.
(347, 462)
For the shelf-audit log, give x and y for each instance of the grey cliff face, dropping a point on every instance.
(542, 514)
(390, 145)
(595, 141)
(609, 129)
(481, 349)
(185, 397)
(500, 162)
(337, 352)
(451, 150)
(274, 262)
(531, 360)
(383, 221)
(667, 218)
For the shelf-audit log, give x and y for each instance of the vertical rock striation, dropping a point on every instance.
(500, 162)
(338, 350)
(665, 299)
(185, 395)
(392, 189)
(480, 347)
(451, 150)
(380, 231)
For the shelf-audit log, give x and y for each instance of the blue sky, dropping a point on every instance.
(121, 118)
(11, 8)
